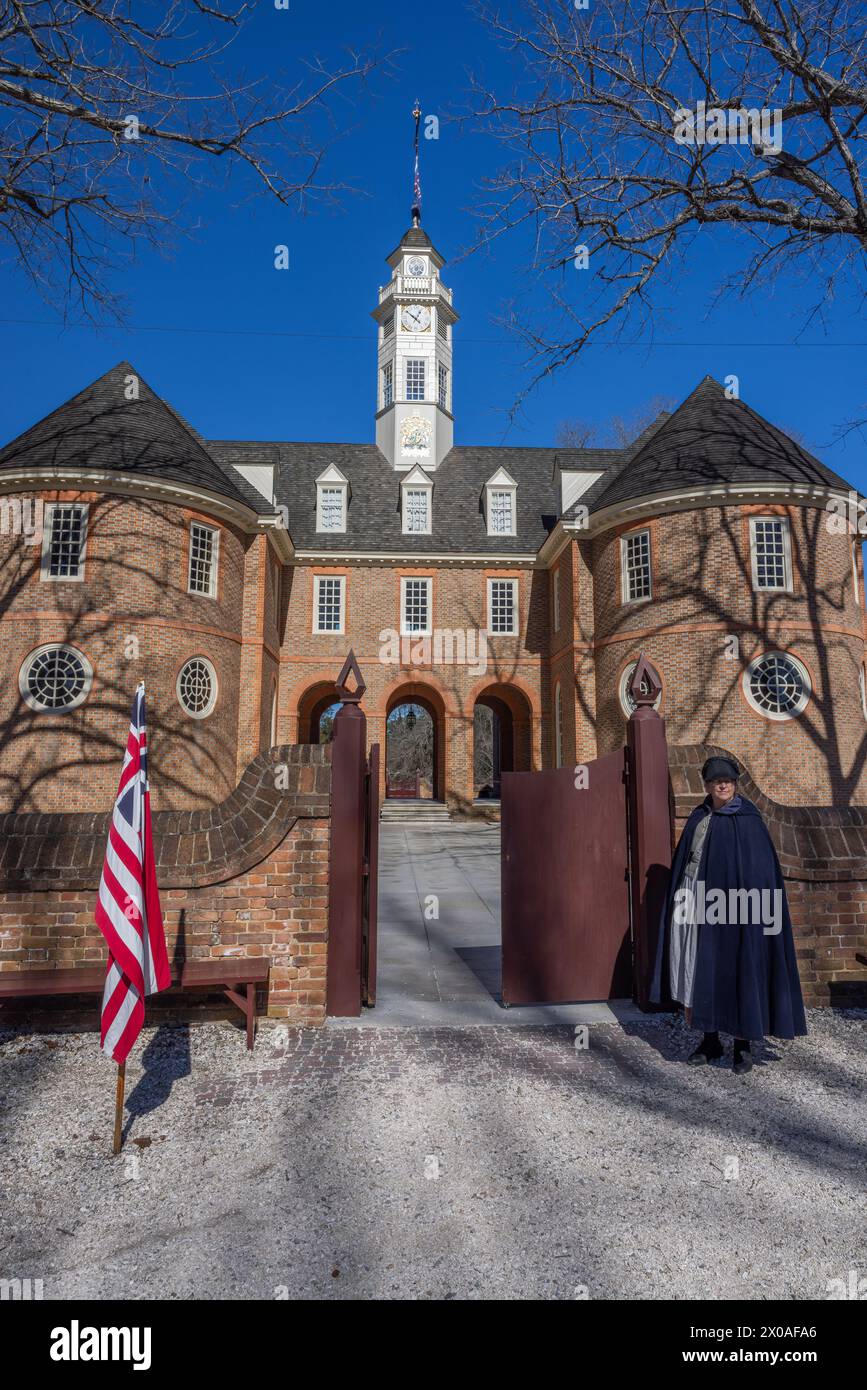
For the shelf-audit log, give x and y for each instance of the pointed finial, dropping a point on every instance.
(416, 187)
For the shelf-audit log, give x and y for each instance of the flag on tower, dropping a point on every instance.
(416, 187)
(128, 907)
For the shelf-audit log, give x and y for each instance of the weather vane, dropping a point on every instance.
(416, 188)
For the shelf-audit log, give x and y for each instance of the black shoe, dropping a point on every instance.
(743, 1058)
(708, 1050)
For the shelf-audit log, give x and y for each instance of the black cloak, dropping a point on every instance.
(746, 981)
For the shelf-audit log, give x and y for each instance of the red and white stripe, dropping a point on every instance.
(128, 909)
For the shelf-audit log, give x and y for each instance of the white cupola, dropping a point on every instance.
(415, 320)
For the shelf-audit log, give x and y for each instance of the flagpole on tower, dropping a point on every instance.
(416, 187)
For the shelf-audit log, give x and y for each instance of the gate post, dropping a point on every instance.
(348, 767)
(649, 824)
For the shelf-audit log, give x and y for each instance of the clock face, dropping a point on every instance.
(415, 318)
(416, 266)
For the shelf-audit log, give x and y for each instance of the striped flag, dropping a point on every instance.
(128, 907)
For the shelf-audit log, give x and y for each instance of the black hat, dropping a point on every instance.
(722, 769)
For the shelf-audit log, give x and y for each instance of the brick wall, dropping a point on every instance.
(702, 594)
(311, 661)
(246, 878)
(823, 855)
(133, 619)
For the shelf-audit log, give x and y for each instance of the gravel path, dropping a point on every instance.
(453, 1163)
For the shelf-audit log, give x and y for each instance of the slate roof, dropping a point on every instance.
(374, 515)
(711, 440)
(708, 440)
(100, 428)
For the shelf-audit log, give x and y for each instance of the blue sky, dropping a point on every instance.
(249, 352)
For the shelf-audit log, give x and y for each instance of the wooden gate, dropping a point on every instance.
(565, 882)
(352, 887)
(585, 857)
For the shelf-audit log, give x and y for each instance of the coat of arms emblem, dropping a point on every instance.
(415, 436)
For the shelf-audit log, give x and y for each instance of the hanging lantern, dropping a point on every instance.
(410, 719)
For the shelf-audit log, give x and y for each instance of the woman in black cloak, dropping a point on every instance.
(726, 950)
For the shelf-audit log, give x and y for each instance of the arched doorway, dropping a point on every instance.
(501, 739)
(317, 709)
(413, 744)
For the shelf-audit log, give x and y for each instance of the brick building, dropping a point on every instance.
(233, 576)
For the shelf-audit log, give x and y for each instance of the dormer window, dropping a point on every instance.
(332, 493)
(416, 491)
(500, 504)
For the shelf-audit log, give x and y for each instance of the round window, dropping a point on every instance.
(777, 685)
(627, 704)
(197, 687)
(55, 677)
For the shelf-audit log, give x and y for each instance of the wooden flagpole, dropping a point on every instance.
(118, 1107)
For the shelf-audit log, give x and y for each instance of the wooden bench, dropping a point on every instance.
(238, 979)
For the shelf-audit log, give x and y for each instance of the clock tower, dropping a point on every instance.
(414, 324)
(415, 319)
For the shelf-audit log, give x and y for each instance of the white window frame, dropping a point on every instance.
(321, 489)
(555, 592)
(215, 560)
(215, 688)
(514, 629)
(418, 491)
(786, 586)
(625, 595)
(856, 581)
(442, 386)
(340, 580)
(387, 385)
(24, 673)
(417, 383)
(778, 716)
(48, 514)
(501, 482)
(404, 582)
(558, 725)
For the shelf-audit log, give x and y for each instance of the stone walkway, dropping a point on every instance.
(426, 1163)
(439, 936)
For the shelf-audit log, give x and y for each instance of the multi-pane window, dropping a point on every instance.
(556, 598)
(415, 379)
(770, 552)
(63, 549)
(443, 386)
(203, 560)
(328, 604)
(501, 512)
(856, 545)
(502, 605)
(387, 384)
(331, 500)
(635, 562)
(415, 604)
(415, 510)
(777, 685)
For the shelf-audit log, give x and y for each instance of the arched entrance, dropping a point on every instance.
(413, 746)
(316, 711)
(501, 738)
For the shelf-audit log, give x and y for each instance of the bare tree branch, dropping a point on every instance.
(112, 113)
